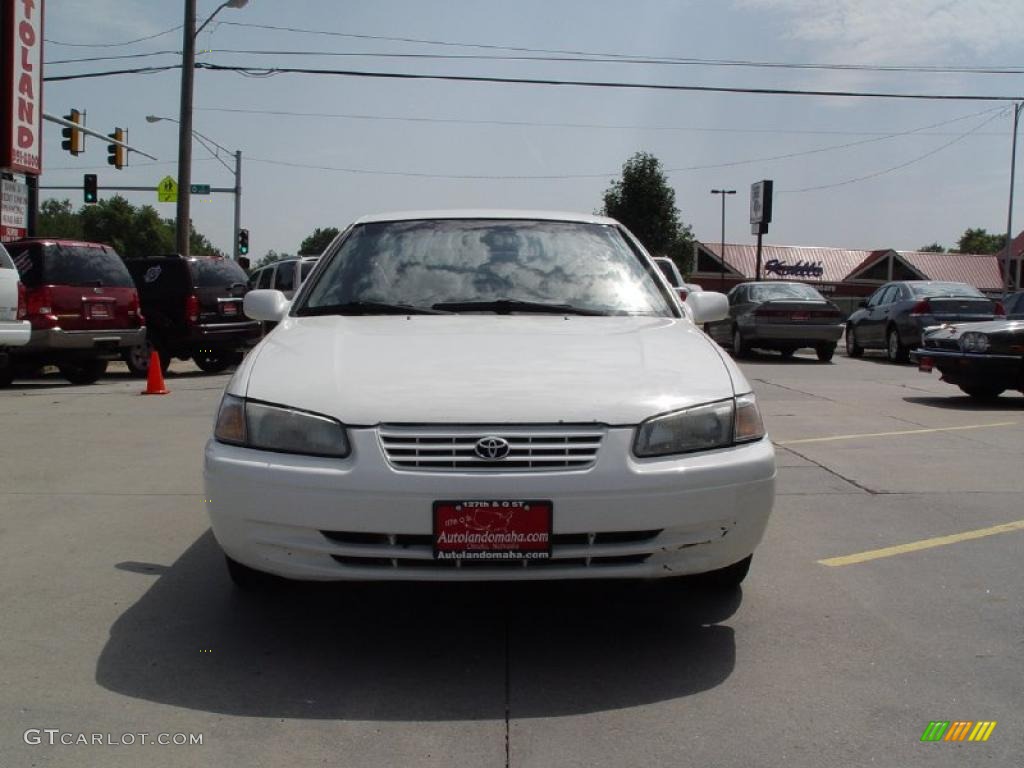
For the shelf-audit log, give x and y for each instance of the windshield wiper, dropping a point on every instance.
(507, 306)
(367, 308)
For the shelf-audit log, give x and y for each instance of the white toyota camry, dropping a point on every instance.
(487, 395)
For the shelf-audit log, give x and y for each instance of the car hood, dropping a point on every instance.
(953, 331)
(475, 369)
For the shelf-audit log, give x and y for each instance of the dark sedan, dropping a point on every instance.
(983, 359)
(781, 315)
(894, 317)
(1015, 306)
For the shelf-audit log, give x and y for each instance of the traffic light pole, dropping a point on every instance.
(90, 132)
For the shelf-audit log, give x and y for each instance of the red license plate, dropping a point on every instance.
(229, 308)
(492, 530)
(801, 316)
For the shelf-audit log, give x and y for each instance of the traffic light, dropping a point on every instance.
(243, 242)
(89, 188)
(74, 139)
(117, 155)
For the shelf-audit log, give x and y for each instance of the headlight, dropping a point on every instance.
(276, 428)
(701, 428)
(974, 342)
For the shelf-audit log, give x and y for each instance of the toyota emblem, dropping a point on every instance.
(492, 448)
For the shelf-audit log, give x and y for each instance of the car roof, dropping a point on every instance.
(484, 213)
(59, 241)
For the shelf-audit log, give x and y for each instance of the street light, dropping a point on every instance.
(237, 171)
(721, 255)
(188, 66)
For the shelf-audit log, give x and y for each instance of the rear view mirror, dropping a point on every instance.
(266, 305)
(708, 306)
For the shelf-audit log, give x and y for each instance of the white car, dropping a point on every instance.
(487, 395)
(15, 331)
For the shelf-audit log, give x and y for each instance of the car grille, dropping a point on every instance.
(380, 550)
(950, 344)
(439, 449)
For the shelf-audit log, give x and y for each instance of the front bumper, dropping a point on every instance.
(672, 516)
(972, 367)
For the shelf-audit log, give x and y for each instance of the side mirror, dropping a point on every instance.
(266, 305)
(708, 306)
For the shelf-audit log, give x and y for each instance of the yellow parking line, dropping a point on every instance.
(893, 434)
(914, 546)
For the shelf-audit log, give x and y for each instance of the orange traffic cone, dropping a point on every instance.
(155, 377)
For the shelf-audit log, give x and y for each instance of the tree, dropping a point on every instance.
(933, 248)
(270, 257)
(980, 241)
(133, 232)
(645, 203)
(318, 241)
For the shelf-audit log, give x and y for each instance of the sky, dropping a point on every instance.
(848, 172)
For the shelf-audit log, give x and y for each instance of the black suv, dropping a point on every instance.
(193, 309)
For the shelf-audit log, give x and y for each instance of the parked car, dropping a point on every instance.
(81, 303)
(1015, 306)
(675, 278)
(780, 315)
(286, 275)
(983, 359)
(481, 395)
(15, 330)
(193, 307)
(894, 317)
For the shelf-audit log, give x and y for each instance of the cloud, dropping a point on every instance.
(900, 31)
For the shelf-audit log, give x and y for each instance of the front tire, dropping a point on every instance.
(740, 348)
(825, 352)
(85, 372)
(853, 349)
(137, 359)
(981, 393)
(6, 374)
(895, 352)
(212, 361)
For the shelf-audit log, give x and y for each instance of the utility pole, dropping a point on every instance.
(238, 198)
(1008, 252)
(721, 254)
(188, 68)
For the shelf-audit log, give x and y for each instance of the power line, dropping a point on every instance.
(112, 58)
(546, 124)
(641, 58)
(114, 45)
(109, 73)
(891, 169)
(270, 71)
(561, 177)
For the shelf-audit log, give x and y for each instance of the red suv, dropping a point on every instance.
(82, 304)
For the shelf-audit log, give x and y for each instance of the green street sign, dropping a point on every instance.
(199, 189)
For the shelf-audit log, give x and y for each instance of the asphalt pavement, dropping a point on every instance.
(886, 595)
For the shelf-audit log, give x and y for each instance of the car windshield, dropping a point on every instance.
(784, 291)
(937, 290)
(84, 265)
(487, 265)
(217, 273)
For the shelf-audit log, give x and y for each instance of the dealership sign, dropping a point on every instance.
(22, 53)
(800, 269)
